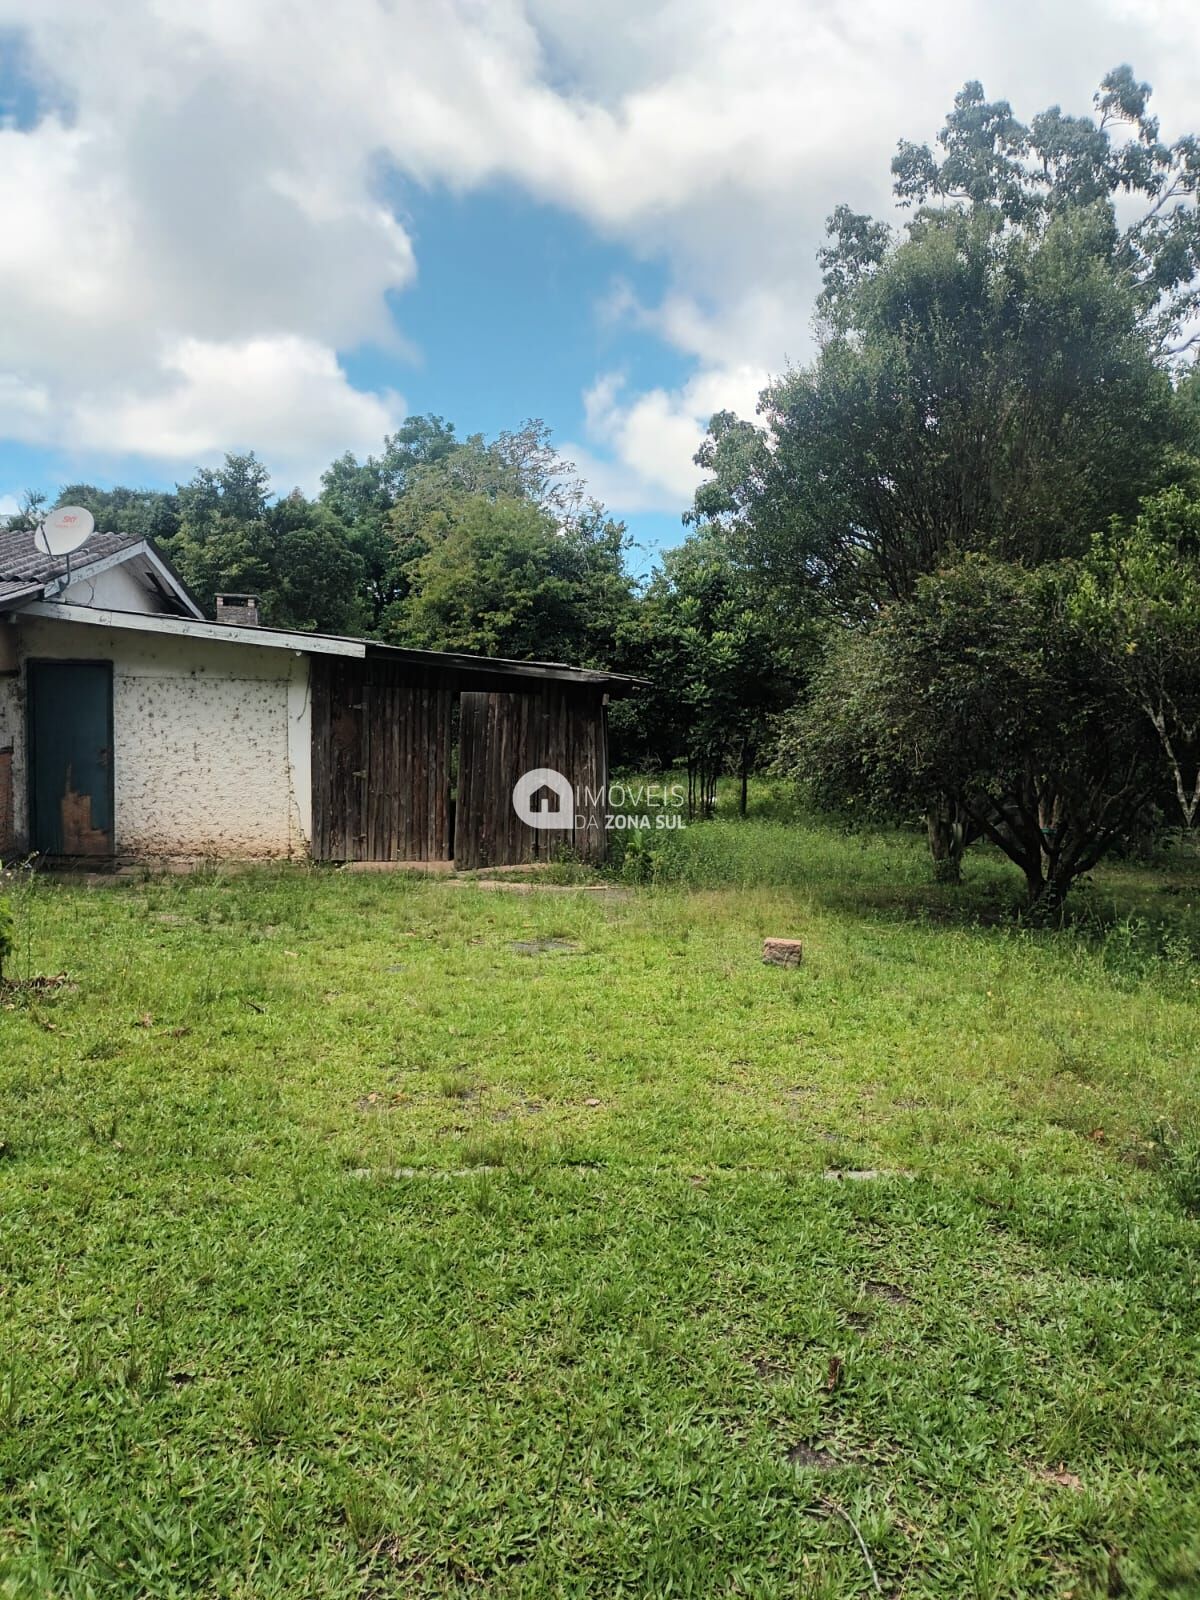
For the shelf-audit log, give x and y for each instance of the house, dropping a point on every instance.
(132, 728)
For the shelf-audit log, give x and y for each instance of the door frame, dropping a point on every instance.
(31, 665)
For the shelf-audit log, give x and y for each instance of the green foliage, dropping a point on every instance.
(293, 553)
(498, 577)
(1139, 596)
(1179, 1161)
(988, 688)
(362, 494)
(7, 932)
(146, 513)
(993, 383)
(463, 544)
(976, 390)
(1027, 176)
(720, 662)
(995, 378)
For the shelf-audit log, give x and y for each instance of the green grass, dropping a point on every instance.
(373, 1236)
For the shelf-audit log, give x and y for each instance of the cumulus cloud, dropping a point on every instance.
(650, 437)
(285, 396)
(193, 228)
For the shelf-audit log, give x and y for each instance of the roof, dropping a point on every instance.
(24, 568)
(481, 672)
(32, 580)
(27, 573)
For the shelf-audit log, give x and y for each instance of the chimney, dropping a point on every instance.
(238, 610)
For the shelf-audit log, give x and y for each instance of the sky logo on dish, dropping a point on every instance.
(543, 798)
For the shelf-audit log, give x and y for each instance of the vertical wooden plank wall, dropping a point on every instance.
(381, 765)
(381, 753)
(504, 734)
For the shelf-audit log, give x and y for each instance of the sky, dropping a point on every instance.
(285, 225)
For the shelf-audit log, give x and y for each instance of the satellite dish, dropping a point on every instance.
(63, 531)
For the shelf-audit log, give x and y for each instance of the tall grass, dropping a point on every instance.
(1142, 919)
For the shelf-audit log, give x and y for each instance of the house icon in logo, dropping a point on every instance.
(543, 798)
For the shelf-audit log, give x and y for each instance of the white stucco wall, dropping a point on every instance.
(115, 589)
(211, 741)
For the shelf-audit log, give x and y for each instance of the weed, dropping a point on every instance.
(1178, 1160)
(273, 1407)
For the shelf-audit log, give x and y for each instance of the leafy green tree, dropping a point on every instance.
(978, 391)
(1140, 597)
(499, 578)
(997, 378)
(294, 554)
(720, 665)
(361, 494)
(399, 505)
(988, 687)
(145, 513)
(1028, 176)
(29, 512)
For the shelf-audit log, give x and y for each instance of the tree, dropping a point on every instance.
(397, 505)
(360, 495)
(1028, 176)
(1140, 597)
(977, 391)
(995, 379)
(996, 376)
(28, 514)
(145, 513)
(720, 664)
(987, 687)
(497, 577)
(294, 554)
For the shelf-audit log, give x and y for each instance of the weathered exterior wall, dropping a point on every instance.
(211, 741)
(115, 589)
(381, 762)
(10, 709)
(505, 734)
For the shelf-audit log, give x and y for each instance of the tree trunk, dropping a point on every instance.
(1046, 898)
(946, 841)
(745, 781)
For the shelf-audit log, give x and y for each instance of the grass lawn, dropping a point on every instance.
(374, 1236)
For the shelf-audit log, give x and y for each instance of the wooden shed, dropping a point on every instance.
(416, 754)
(132, 728)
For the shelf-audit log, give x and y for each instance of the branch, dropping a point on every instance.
(832, 1505)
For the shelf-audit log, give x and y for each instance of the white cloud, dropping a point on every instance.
(285, 397)
(189, 245)
(653, 435)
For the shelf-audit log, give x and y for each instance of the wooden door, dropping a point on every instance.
(381, 763)
(70, 757)
(504, 735)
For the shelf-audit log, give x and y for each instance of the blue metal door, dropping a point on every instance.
(70, 757)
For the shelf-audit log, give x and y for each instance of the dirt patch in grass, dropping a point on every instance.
(811, 1458)
(770, 1371)
(55, 983)
(380, 1102)
(879, 1290)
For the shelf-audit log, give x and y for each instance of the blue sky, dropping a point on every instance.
(508, 318)
(275, 226)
